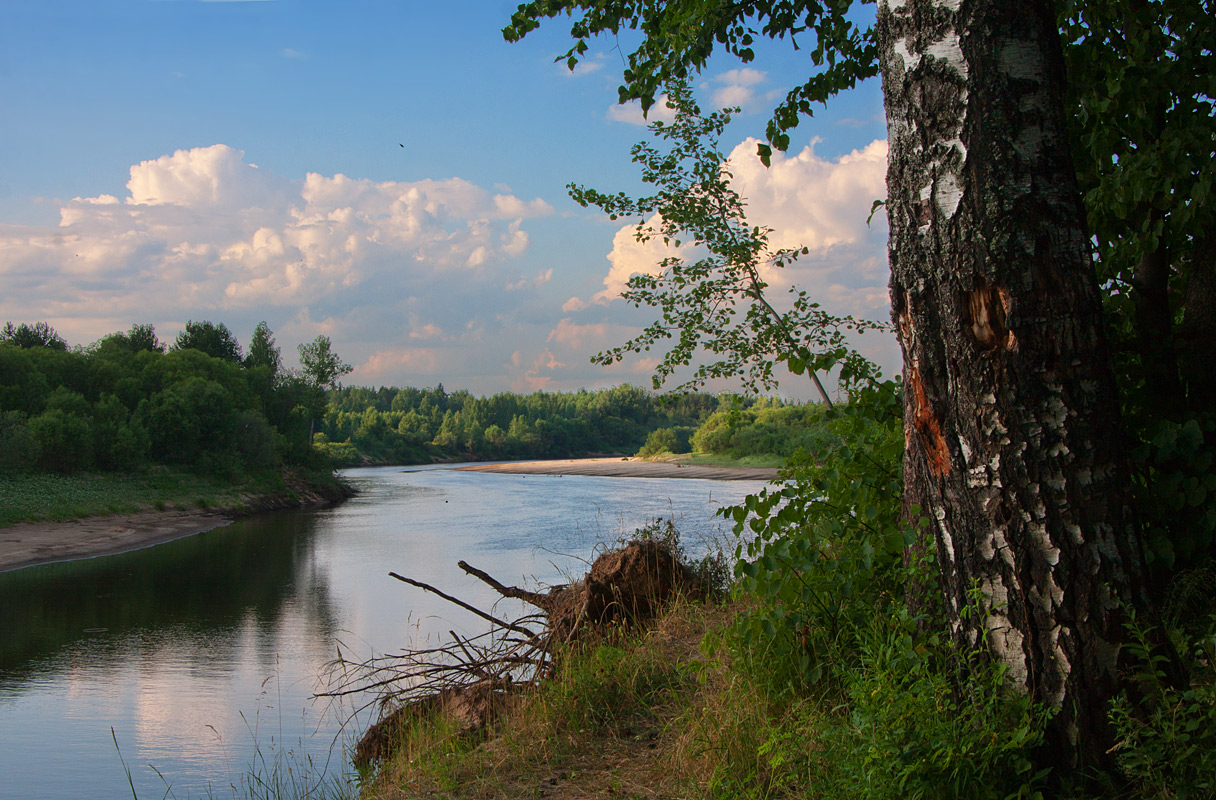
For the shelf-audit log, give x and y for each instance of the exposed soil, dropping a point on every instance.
(28, 544)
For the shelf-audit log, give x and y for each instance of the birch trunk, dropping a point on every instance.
(1010, 413)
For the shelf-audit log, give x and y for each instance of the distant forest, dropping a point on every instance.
(402, 426)
(420, 425)
(129, 401)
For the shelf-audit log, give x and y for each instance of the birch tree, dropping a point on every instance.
(1010, 412)
(1011, 417)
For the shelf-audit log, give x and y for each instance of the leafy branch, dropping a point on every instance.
(715, 300)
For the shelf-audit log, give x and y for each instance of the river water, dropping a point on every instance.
(194, 663)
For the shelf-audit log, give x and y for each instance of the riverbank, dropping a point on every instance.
(625, 468)
(28, 544)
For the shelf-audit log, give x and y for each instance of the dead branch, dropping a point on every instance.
(541, 601)
(501, 623)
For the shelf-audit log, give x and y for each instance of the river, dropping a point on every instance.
(195, 662)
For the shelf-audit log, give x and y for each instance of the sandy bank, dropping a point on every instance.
(625, 468)
(27, 544)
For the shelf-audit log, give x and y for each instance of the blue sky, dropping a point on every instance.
(390, 174)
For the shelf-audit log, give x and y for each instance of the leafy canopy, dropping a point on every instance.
(322, 366)
(714, 300)
(207, 337)
(680, 35)
(262, 350)
(40, 334)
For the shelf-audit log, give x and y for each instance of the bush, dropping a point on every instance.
(65, 441)
(1167, 740)
(662, 440)
(820, 553)
(18, 447)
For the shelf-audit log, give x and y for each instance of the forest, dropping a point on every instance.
(129, 401)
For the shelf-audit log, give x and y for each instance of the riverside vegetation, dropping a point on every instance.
(839, 669)
(128, 424)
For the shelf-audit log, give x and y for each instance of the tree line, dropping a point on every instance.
(408, 425)
(129, 400)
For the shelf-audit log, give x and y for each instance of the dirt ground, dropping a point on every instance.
(28, 544)
(625, 468)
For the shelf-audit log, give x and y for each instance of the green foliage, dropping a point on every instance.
(927, 721)
(322, 366)
(679, 37)
(262, 350)
(779, 430)
(207, 337)
(820, 552)
(123, 403)
(1145, 128)
(715, 304)
(606, 686)
(1168, 737)
(138, 339)
(64, 440)
(1175, 490)
(18, 448)
(659, 441)
(408, 425)
(27, 336)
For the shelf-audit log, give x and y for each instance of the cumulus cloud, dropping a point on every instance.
(630, 257)
(204, 229)
(737, 88)
(807, 201)
(631, 112)
(203, 233)
(540, 279)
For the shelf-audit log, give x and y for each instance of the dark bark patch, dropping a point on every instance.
(986, 315)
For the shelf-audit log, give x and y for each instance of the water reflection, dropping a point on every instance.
(199, 650)
(197, 596)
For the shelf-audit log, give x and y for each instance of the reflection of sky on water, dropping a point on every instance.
(196, 649)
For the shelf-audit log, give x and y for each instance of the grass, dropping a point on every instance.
(635, 715)
(50, 497)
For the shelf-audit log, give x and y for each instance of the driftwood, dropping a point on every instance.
(469, 679)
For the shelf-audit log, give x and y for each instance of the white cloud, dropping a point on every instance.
(807, 201)
(586, 65)
(631, 112)
(631, 257)
(202, 233)
(744, 76)
(579, 338)
(383, 365)
(736, 88)
(540, 279)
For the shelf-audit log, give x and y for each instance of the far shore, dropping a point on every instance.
(29, 544)
(625, 468)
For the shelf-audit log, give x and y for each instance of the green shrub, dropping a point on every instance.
(662, 440)
(819, 553)
(1167, 740)
(928, 721)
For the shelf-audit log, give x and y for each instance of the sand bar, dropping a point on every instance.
(28, 544)
(625, 468)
